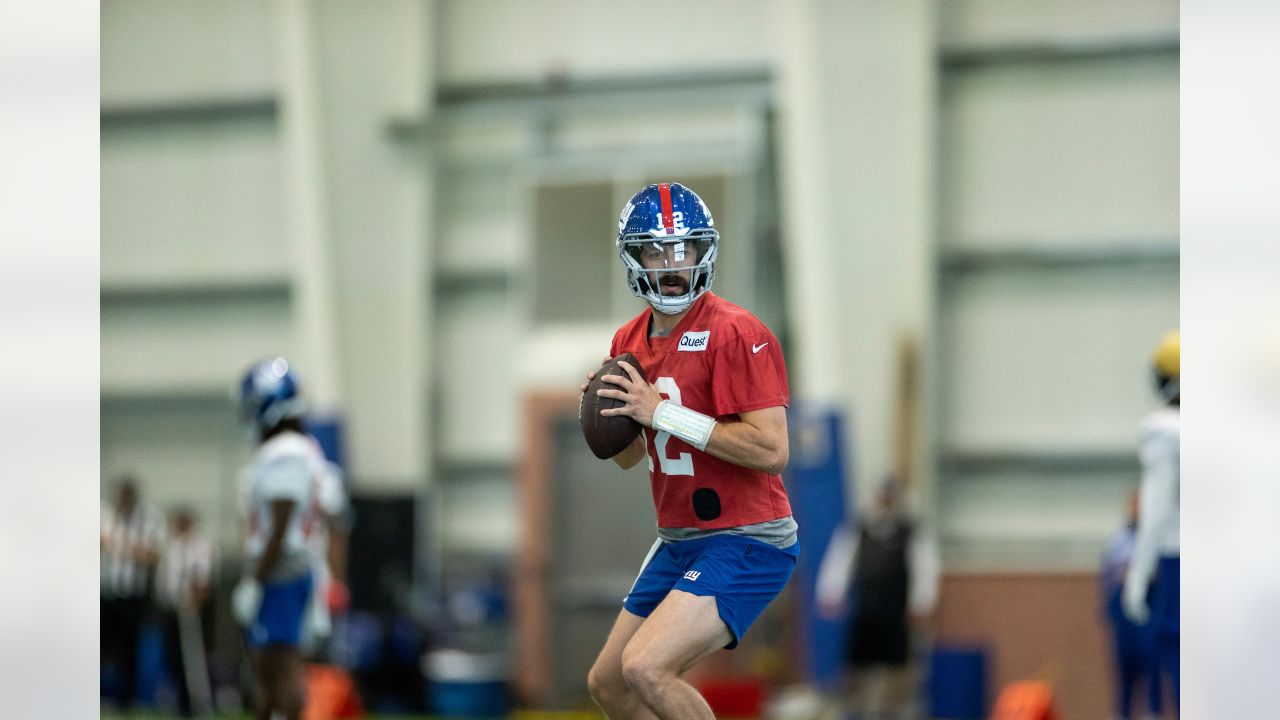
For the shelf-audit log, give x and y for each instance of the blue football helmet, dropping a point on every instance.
(667, 242)
(269, 393)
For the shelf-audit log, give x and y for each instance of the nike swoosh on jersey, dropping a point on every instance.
(758, 348)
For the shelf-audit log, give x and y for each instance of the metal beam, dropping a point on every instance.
(960, 57)
(259, 289)
(1113, 255)
(467, 102)
(457, 281)
(956, 462)
(167, 399)
(557, 87)
(210, 110)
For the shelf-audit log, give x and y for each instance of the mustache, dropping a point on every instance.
(678, 284)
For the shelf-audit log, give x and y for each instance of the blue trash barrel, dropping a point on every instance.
(958, 683)
(464, 684)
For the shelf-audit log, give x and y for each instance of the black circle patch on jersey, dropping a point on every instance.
(706, 504)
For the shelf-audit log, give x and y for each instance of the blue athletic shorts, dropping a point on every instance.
(1166, 615)
(284, 605)
(742, 574)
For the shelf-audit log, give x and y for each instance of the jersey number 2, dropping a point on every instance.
(682, 464)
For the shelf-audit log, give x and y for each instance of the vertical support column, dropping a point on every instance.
(806, 207)
(374, 69)
(858, 118)
(301, 134)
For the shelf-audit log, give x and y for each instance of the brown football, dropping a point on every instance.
(607, 436)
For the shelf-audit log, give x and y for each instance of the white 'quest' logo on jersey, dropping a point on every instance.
(694, 341)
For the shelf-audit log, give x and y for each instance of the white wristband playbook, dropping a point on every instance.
(690, 426)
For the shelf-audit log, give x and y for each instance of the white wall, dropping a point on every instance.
(193, 202)
(375, 66)
(858, 84)
(997, 23)
(257, 201)
(914, 138)
(1066, 153)
(506, 41)
(1058, 235)
(161, 51)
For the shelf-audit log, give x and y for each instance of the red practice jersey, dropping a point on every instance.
(720, 361)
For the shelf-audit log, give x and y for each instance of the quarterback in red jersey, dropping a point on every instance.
(712, 399)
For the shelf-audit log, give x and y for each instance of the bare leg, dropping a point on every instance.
(849, 700)
(280, 678)
(683, 630)
(291, 693)
(262, 686)
(876, 687)
(897, 685)
(608, 688)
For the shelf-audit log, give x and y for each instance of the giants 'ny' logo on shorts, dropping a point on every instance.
(692, 575)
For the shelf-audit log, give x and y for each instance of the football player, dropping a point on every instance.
(273, 598)
(1157, 549)
(712, 397)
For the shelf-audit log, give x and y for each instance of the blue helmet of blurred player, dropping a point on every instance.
(269, 393)
(667, 242)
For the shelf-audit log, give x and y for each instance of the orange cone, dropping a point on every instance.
(1026, 700)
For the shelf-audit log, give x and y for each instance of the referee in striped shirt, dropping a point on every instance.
(131, 535)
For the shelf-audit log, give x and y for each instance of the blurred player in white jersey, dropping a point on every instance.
(326, 534)
(274, 598)
(327, 541)
(1156, 550)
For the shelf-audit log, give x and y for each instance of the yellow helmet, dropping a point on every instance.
(1167, 357)
(1167, 362)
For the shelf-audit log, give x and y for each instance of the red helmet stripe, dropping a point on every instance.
(668, 222)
